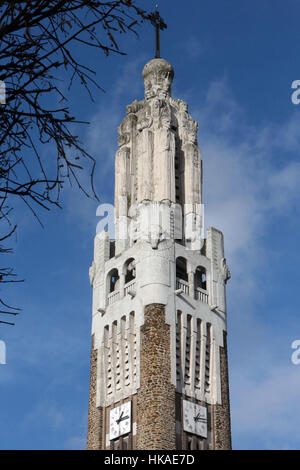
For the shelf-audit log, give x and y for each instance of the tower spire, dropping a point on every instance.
(159, 24)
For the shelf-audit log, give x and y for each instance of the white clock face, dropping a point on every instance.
(120, 420)
(194, 418)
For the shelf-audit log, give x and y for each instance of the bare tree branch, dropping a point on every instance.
(37, 39)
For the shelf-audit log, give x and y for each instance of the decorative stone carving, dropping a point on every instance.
(92, 272)
(161, 114)
(158, 75)
(155, 108)
(123, 139)
(135, 106)
(188, 126)
(157, 131)
(125, 130)
(165, 118)
(163, 165)
(143, 177)
(192, 129)
(145, 119)
(182, 108)
(225, 270)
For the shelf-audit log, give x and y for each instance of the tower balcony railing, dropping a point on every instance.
(113, 297)
(201, 294)
(129, 288)
(184, 285)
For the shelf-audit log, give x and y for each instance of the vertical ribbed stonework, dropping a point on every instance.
(94, 438)
(221, 413)
(156, 395)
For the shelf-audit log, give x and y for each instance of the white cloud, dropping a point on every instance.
(266, 405)
(244, 187)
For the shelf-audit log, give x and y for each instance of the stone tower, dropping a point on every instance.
(159, 377)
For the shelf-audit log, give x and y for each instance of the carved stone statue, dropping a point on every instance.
(225, 270)
(92, 272)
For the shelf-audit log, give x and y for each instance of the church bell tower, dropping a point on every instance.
(159, 376)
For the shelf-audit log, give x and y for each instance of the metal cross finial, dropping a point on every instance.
(159, 24)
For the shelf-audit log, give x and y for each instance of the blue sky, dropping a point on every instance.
(234, 64)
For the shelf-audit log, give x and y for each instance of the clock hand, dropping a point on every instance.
(120, 418)
(199, 418)
(123, 418)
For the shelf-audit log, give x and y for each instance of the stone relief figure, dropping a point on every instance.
(155, 108)
(145, 119)
(165, 144)
(124, 133)
(161, 114)
(165, 81)
(182, 107)
(225, 271)
(158, 84)
(192, 129)
(158, 75)
(125, 129)
(155, 236)
(92, 272)
(134, 107)
(196, 157)
(123, 139)
(188, 126)
(165, 115)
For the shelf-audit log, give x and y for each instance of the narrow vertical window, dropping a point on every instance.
(198, 356)
(133, 348)
(125, 352)
(108, 361)
(187, 374)
(178, 350)
(208, 359)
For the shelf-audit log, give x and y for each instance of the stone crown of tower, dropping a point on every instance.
(158, 162)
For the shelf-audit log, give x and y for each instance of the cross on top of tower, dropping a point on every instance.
(159, 24)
